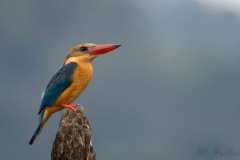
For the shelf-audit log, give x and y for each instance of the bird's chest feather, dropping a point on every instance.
(80, 80)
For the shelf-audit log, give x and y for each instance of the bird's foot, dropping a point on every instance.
(70, 106)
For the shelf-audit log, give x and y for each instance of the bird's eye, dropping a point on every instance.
(83, 49)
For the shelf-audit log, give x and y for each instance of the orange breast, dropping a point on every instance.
(81, 78)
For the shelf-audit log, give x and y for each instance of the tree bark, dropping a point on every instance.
(73, 138)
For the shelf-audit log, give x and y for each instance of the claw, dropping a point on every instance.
(70, 106)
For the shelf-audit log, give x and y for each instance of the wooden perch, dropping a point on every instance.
(73, 138)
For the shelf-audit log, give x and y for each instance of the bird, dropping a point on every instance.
(69, 82)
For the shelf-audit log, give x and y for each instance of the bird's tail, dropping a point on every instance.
(38, 128)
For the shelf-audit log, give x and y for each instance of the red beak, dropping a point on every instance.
(99, 49)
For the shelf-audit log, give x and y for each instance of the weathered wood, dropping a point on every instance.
(72, 140)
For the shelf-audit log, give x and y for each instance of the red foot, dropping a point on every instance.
(70, 106)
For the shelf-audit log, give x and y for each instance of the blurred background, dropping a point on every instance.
(171, 91)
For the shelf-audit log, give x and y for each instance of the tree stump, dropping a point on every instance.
(73, 138)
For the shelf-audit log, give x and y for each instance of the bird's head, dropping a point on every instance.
(86, 52)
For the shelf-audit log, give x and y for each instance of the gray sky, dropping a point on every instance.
(171, 91)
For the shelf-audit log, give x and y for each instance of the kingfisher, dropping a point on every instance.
(69, 82)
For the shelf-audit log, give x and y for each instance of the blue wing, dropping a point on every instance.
(60, 81)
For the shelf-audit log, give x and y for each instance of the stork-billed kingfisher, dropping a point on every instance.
(69, 82)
